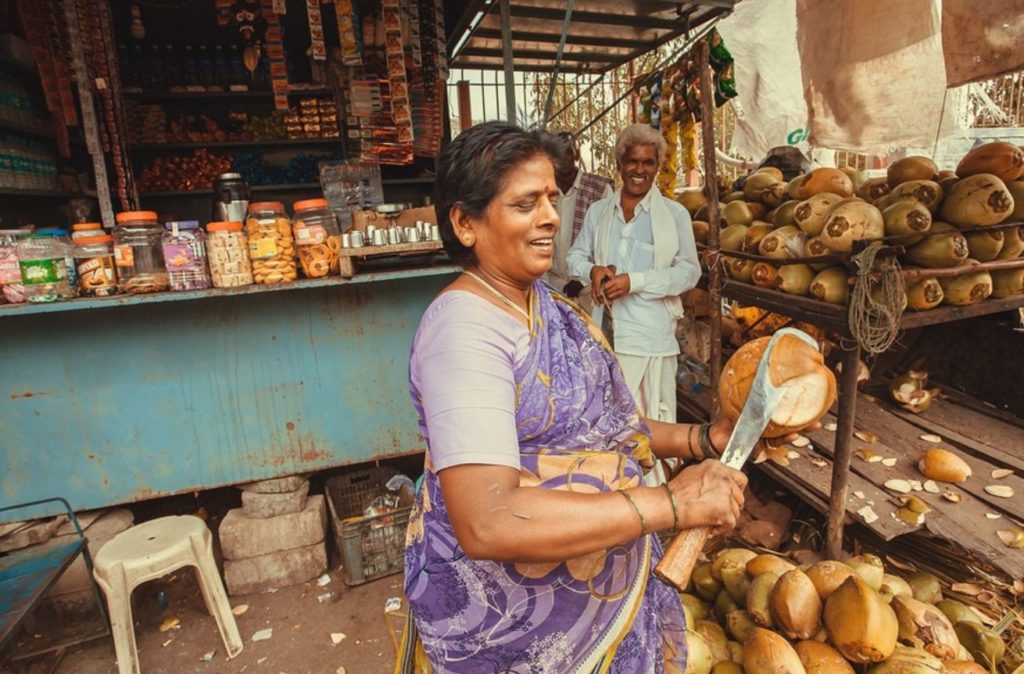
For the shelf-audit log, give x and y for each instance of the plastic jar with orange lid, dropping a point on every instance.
(89, 229)
(94, 261)
(227, 249)
(317, 237)
(138, 253)
(271, 247)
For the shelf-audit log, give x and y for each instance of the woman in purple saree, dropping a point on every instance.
(531, 547)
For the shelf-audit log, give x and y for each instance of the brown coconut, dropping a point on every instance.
(820, 658)
(944, 247)
(962, 667)
(795, 605)
(809, 387)
(978, 201)
(692, 199)
(1013, 243)
(825, 180)
(794, 279)
(830, 285)
(984, 246)
(758, 595)
(816, 248)
(925, 626)
(943, 465)
(1016, 190)
(860, 624)
(765, 563)
(910, 168)
(907, 219)
(852, 221)
(755, 234)
(766, 652)
(756, 184)
(969, 288)
(811, 214)
(908, 661)
(1007, 282)
(926, 192)
(924, 294)
(873, 189)
(829, 574)
(782, 243)
(1001, 159)
(701, 229)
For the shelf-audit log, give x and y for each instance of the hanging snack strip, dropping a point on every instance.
(429, 81)
(275, 54)
(348, 33)
(394, 52)
(316, 30)
(35, 17)
(89, 122)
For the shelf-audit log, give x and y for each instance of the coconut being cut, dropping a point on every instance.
(809, 386)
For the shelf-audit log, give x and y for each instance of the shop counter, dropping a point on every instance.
(114, 400)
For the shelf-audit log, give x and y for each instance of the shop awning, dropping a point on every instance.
(603, 34)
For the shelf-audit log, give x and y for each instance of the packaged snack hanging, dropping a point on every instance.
(271, 247)
(10, 271)
(317, 238)
(44, 268)
(94, 261)
(228, 252)
(184, 246)
(138, 253)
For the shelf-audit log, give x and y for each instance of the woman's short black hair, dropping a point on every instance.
(471, 170)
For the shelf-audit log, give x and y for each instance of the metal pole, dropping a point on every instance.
(707, 128)
(465, 105)
(507, 59)
(558, 60)
(841, 457)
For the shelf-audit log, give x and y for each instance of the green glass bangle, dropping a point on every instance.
(643, 524)
(675, 510)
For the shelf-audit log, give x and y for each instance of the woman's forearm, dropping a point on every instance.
(675, 441)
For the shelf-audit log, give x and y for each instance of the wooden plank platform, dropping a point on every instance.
(348, 256)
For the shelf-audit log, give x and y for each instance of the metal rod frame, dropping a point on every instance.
(558, 61)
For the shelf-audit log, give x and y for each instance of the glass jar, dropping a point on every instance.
(44, 268)
(89, 229)
(271, 247)
(94, 261)
(138, 253)
(227, 248)
(10, 271)
(184, 247)
(317, 237)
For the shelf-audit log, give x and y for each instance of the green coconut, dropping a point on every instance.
(831, 285)
(924, 294)
(977, 201)
(907, 219)
(984, 246)
(811, 214)
(944, 246)
(927, 192)
(784, 214)
(965, 289)
(1007, 282)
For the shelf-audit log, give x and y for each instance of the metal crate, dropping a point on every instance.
(371, 547)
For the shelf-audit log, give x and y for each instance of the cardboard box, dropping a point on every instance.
(406, 218)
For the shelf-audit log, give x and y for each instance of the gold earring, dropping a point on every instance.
(468, 239)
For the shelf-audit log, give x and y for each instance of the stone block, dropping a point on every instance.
(275, 570)
(278, 485)
(242, 537)
(258, 505)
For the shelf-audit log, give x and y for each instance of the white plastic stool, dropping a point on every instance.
(149, 551)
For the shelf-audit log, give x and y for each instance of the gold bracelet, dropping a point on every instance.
(675, 511)
(643, 524)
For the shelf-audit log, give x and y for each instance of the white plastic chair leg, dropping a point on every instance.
(214, 595)
(122, 626)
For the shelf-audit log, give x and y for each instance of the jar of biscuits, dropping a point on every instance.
(138, 253)
(228, 252)
(271, 247)
(317, 238)
(94, 261)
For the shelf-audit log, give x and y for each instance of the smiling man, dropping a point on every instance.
(637, 251)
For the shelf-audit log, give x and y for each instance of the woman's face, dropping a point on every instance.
(514, 239)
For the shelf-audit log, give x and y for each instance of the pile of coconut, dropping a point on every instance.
(934, 215)
(765, 614)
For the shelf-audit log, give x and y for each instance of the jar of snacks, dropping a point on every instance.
(89, 229)
(317, 237)
(10, 271)
(44, 268)
(138, 253)
(184, 246)
(271, 247)
(227, 248)
(94, 260)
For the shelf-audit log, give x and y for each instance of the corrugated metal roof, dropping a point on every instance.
(603, 34)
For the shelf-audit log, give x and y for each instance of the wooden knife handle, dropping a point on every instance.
(677, 564)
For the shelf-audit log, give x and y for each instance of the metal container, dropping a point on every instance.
(230, 198)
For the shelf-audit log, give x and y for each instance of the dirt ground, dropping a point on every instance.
(302, 617)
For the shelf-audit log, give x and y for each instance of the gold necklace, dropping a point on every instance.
(500, 295)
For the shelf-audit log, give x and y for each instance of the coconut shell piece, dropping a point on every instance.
(943, 465)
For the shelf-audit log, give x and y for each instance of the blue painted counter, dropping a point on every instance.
(116, 400)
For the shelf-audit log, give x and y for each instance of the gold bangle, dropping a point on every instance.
(643, 524)
(675, 511)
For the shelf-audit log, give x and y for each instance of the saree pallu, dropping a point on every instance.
(579, 430)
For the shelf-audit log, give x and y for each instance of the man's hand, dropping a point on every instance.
(617, 287)
(598, 277)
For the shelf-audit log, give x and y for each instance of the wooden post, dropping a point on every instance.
(707, 127)
(843, 453)
(465, 105)
(507, 61)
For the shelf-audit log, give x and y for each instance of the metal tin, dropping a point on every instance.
(435, 233)
(356, 239)
(412, 234)
(380, 237)
(394, 236)
(346, 240)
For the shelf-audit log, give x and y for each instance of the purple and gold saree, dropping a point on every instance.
(578, 430)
